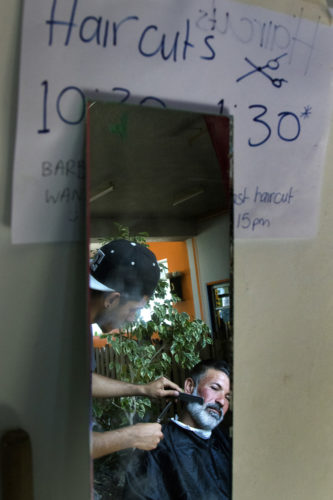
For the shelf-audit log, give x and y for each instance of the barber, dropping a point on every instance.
(123, 276)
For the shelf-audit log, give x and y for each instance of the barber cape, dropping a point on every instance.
(184, 466)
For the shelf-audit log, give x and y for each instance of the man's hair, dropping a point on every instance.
(96, 294)
(199, 370)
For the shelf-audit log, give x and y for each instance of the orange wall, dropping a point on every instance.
(176, 253)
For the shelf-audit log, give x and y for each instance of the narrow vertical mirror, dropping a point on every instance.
(160, 180)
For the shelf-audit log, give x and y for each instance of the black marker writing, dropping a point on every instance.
(245, 221)
(260, 196)
(272, 64)
(273, 197)
(292, 119)
(90, 28)
(241, 198)
(77, 113)
(63, 168)
(298, 39)
(307, 112)
(157, 43)
(70, 92)
(66, 195)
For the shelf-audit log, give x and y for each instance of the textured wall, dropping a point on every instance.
(283, 364)
(44, 386)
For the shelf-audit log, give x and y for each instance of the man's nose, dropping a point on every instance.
(221, 399)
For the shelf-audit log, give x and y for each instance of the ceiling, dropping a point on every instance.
(155, 170)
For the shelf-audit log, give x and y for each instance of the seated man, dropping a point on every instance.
(192, 462)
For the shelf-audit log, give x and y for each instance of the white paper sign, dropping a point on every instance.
(270, 71)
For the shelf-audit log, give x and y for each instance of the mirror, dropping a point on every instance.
(163, 178)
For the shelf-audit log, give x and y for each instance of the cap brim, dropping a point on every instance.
(96, 285)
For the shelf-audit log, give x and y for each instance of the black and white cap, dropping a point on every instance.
(125, 267)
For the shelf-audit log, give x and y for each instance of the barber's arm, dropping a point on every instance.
(105, 387)
(141, 436)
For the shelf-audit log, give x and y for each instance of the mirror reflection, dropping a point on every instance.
(160, 302)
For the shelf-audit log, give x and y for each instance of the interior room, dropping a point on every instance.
(162, 178)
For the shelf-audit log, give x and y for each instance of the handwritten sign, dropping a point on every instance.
(270, 71)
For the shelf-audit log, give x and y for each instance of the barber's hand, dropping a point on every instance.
(146, 436)
(162, 388)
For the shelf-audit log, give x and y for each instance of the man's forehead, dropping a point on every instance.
(216, 376)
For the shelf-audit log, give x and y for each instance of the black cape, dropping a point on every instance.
(182, 467)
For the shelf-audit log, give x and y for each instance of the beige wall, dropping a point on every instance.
(43, 360)
(283, 346)
(284, 364)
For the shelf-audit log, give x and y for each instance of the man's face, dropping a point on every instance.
(117, 313)
(214, 388)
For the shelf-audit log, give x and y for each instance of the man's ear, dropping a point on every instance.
(111, 300)
(189, 385)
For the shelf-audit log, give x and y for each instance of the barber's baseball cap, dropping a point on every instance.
(125, 267)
